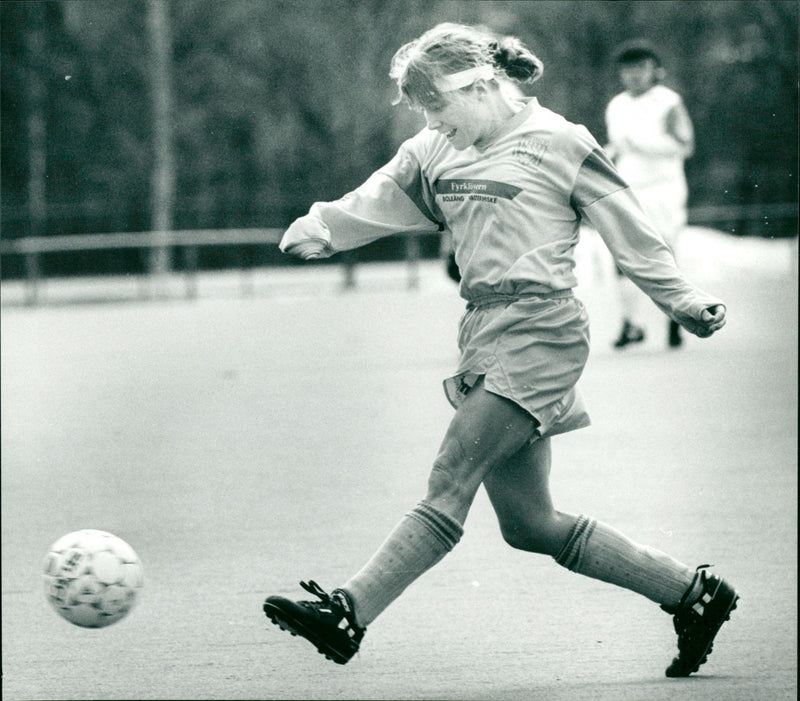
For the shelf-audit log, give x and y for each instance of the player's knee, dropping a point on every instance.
(451, 480)
(519, 538)
(445, 481)
(534, 535)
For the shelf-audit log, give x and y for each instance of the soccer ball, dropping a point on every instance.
(92, 578)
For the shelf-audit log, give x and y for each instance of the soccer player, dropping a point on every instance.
(511, 180)
(650, 136)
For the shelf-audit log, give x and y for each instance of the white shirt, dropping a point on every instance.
(645, 152)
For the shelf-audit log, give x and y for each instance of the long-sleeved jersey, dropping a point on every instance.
(514, 210)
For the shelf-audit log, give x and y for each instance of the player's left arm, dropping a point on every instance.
(605, 200)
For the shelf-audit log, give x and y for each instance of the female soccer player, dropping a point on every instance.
(511, 180)
(650, 136)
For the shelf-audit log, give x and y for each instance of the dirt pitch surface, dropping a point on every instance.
(243, 444)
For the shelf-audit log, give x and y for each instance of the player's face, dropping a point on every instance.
(639, 77)
(457, 120)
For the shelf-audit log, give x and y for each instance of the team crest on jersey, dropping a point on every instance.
(530, 151)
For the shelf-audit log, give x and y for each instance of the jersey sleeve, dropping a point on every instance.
(395, 199)
(604, 199)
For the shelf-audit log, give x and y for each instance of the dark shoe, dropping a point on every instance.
(629, 334)
(328, 624)
(675, 339)
(696, 625)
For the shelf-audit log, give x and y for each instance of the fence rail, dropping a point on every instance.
(31, 247)
(95, 242)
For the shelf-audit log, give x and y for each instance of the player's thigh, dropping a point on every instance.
(486, 431)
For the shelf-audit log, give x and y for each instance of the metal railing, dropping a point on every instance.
(32, 247)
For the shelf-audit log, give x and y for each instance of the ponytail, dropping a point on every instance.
(515, 60)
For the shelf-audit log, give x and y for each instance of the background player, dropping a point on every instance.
(650, 135)
(512, 181)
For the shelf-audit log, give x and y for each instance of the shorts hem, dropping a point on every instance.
(564, 415)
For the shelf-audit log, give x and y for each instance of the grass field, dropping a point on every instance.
(243, 444)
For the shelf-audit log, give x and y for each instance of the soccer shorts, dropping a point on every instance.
(531, 350)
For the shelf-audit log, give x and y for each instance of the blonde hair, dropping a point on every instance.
(419, 66)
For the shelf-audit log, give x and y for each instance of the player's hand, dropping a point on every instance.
(308, 237)
(712, 319)
(307, 249)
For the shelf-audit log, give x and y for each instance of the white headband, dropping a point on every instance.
(454, 81)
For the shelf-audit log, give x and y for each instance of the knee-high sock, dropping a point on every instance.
(597, 550)
(422, 538)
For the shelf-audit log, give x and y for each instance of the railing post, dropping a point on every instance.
(349, 263)
(245, 274)
(32, 274)
(190, 261)
(412, 258)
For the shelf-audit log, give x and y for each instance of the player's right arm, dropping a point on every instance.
(393, 200)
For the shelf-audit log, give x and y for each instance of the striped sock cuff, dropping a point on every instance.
(570, 555)
(446, 530)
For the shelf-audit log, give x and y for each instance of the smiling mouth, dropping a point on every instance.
(450, 134)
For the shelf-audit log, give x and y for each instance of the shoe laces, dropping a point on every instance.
(340, 608)
(313, 588)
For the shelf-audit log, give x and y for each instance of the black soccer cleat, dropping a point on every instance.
(629, 334)
(328, 624)
(696, 625)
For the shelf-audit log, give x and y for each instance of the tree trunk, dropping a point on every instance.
(162, 193)
(37, 139)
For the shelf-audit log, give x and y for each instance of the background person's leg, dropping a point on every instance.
(630, 298)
